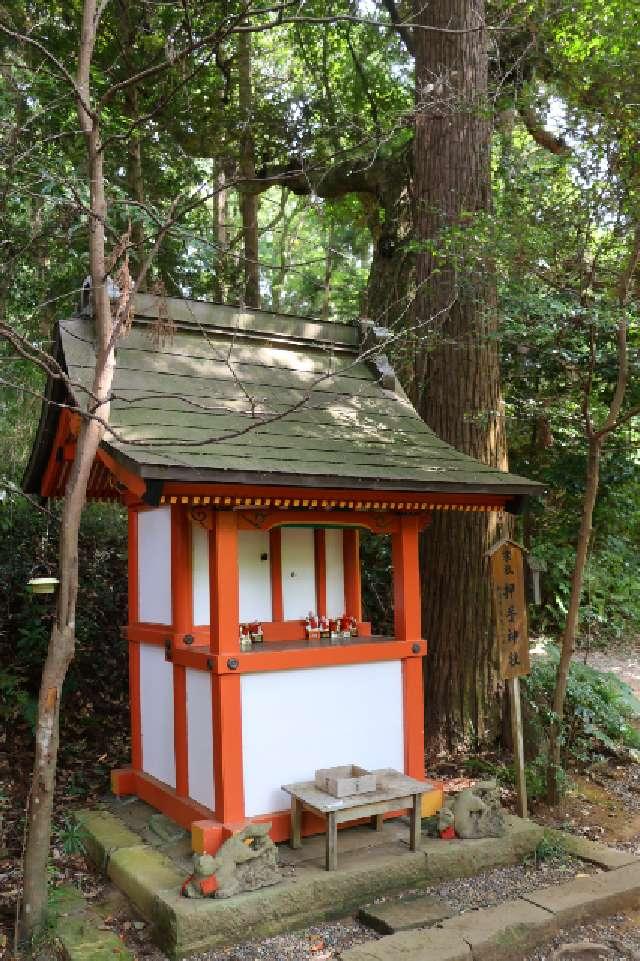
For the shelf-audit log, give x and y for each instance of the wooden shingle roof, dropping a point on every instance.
(240, 395)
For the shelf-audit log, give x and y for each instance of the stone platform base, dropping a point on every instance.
(371, 864)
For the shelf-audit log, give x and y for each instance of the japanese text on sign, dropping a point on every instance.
(509, 606)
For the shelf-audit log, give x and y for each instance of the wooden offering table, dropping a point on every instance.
(395, 792)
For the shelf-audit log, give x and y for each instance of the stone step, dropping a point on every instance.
(406, 914)
(508, 930)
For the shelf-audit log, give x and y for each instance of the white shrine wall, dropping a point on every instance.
(154, 566)
(298, 572)
(156, 714)
(254, 576)
(335, 574)
(200, 575)
(296, 721)
(200, 738)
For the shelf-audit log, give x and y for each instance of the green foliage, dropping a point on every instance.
(71, 836)
(27, 540)
(551, 847)
(599, 712)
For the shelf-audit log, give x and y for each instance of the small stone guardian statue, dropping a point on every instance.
(475, 812)
(248, 860)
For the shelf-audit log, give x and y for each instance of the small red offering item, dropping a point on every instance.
(208, 886)
(448, 834)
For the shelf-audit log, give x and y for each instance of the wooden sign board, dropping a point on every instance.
(510, 610)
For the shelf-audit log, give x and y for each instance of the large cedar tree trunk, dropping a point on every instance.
(457, 372)
(248, 197)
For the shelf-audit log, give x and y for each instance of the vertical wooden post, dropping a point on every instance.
(134, 647)
(224, 594)
(320, 558)
(408, 627)
(275, 556)
(226, 691)
(406, 580)
(351, 565)
(182, 619)
(513, 684)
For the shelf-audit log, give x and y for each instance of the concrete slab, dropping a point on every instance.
(505, 931)
(597, 853)
(590, 897)
(406, 914)
(430, 945)
(78, 932)
(142, 873)
(104, 833)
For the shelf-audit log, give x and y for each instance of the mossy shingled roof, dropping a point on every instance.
(248, 396)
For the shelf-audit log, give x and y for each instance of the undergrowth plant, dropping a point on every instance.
(599, 714)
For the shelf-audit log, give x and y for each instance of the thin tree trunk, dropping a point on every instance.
(221, 235)
(248, 197)
(571, 624)
(62, 641)
(457, 371)
(136, 186)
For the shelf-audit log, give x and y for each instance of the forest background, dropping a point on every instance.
(283, 157)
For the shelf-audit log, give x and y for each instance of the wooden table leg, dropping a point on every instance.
(296, 823)
(416, 822)
(377, 820)
(332, 842)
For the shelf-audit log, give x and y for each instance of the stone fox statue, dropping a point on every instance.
(474, 813)
(246, 861)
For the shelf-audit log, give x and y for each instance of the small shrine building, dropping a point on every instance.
(250, 449)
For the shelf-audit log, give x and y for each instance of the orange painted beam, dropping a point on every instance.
(407, 617)
(320, 559)
(265, 520)
(51, 473)
(413, 702)
(132, 482)
(225, 640)
(275, 567)
(227, 747)
(288, 658)
(351, 566)
(341, 495)
(406, 580)
(224, 582)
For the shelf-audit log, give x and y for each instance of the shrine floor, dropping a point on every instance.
(148, 857)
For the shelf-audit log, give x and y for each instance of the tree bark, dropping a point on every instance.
(571, 623)
(62, 641)
(248, 197)
(457, 371)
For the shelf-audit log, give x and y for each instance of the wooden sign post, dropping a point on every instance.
(510, 612)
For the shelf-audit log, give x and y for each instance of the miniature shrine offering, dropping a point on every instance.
(250, 451)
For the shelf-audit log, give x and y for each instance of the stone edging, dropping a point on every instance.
(506, 931)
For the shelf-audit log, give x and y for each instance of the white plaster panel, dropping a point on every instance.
(294, 722)
(254, 576)
(335, 574)
(298, 559)
(156, 714)
(200, 737)
(200, 574)
(154, 565)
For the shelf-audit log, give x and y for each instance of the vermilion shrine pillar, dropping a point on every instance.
(408, 627)
(225, 647)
